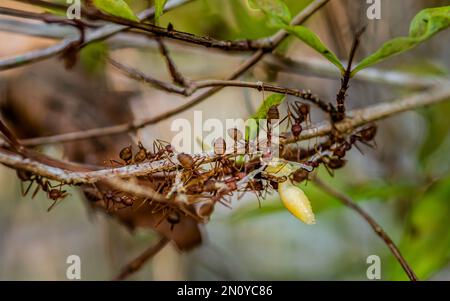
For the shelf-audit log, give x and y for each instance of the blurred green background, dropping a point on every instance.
(404, 182)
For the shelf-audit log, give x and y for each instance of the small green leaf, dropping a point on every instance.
(425, 24)
(312, 40)
(430, 21)
(274, 99)
(117, 8)
(276, 10)
(159, 8)
(252, 126)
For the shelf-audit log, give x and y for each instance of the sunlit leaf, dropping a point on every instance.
(274, 99)
(276, 10)
(425, 24)
(117, 8)
(312, 40)
(92, 57)
(159, 8)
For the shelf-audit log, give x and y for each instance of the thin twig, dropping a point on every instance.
(347, 201)
(154, 30)
(99, 34)
(137, 263)
(177, 76)
(191, 87)
(140, 76)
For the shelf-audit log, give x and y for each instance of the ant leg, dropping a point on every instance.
(28, 188)
(52, 205)
(35, 191)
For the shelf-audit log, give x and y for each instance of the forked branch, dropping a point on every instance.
(347, 201)
(137, 263)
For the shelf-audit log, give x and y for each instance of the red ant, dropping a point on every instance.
(365, 135)
(52, 193)
(299, 113)
(114, 197)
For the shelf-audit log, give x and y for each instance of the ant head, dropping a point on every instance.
(126, 153)
(185, 160)
(296, 129)
(304, 109)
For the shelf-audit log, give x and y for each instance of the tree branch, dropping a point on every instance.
(91, 36)
(190, 87)
(137, 263)
(355, 119)
(347, 201)
(177, 76)
(310, 66)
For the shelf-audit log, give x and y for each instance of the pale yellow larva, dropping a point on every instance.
(295, 200)
(292, 197)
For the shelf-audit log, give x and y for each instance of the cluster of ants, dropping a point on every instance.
(196, 185)
(193, 184)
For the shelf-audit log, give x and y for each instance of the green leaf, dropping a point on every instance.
(274, 99)
(92, 57)
(117, 8)
(312, 40)
(276, 10)
(252, 126)
(159, 8)
(426, 242)
(425, 24)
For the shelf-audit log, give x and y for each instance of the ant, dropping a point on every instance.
(299, 112)
(161, 149)
(272, 114)
(25, 176)
(189, 164)
(223, 165)
(52, 193)
(56, 195)
(126, 154)
(365, 135)
(236, 135)
(113, 197)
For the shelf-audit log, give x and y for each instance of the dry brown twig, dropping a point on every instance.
(355, 119)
